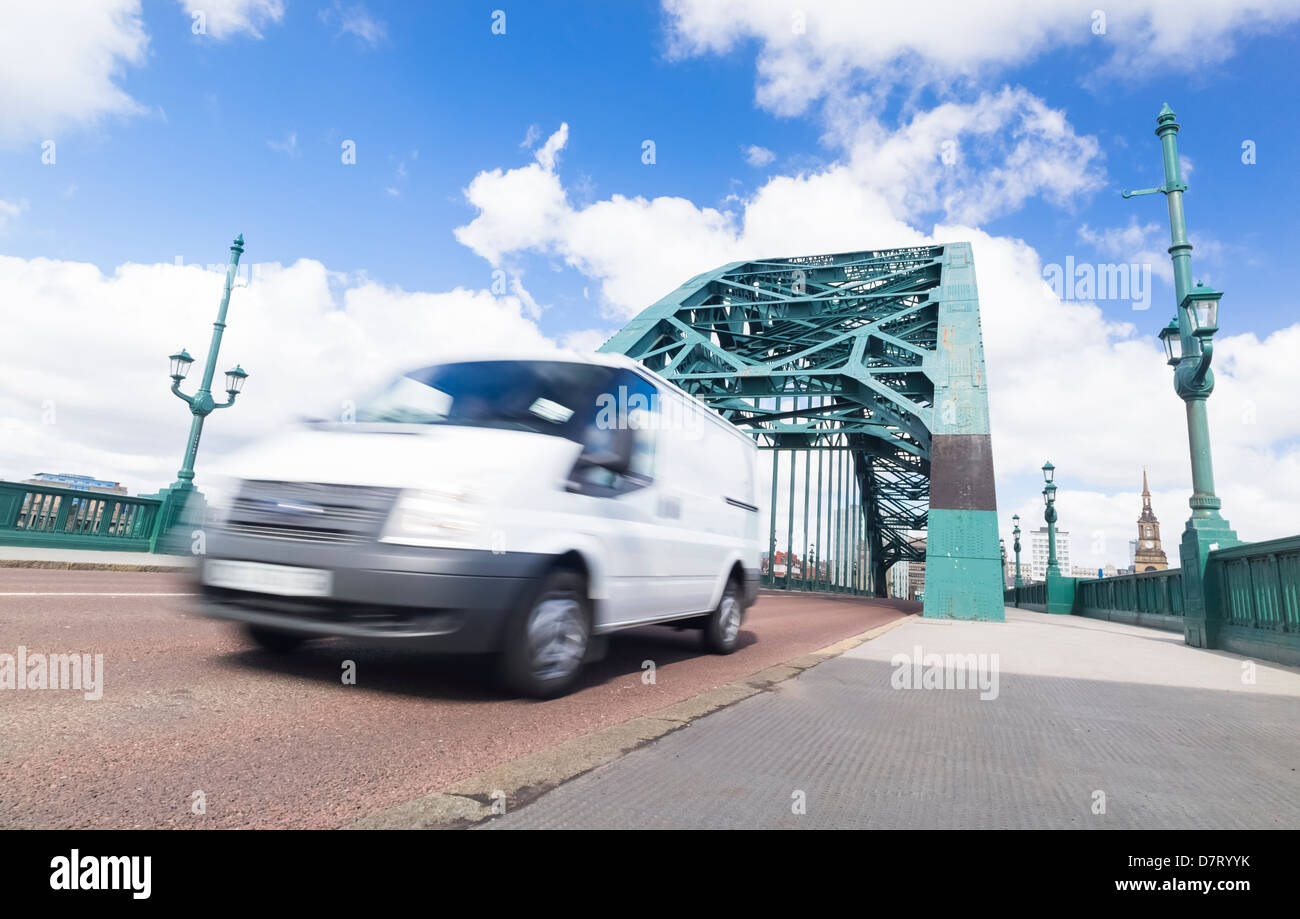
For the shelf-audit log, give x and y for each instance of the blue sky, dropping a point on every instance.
(441, 97)
(175, 141)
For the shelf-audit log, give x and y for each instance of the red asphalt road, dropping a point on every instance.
(190, 705)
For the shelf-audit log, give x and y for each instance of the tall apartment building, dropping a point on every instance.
(1038, 554)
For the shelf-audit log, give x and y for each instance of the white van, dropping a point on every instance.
(524, 507)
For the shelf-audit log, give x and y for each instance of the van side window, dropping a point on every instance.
(642, 416)
(626, 418)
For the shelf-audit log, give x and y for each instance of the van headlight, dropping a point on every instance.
(219, 494)
(435, 518)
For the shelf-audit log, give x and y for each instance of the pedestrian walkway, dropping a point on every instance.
(37, 557)
(1089, 724)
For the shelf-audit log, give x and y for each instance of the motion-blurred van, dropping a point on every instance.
(523, 507)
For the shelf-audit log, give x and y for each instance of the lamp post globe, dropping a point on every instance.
(180, 362)
(235, 378)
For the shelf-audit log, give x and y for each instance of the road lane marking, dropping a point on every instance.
(47, 593)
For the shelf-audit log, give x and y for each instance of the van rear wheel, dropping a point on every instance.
(548, 637)
(722, 631)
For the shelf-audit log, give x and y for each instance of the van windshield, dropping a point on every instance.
(548, 397)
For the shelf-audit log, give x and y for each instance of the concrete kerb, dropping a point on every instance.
(84, 566)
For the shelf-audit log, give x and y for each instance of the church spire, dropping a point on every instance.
(1147, 513)
(1147, 554)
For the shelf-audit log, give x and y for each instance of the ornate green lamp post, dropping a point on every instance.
(1049, 514)
(182, 503)
(1015, 533)
(201, 403)
(1060, 590)
(1188, 341)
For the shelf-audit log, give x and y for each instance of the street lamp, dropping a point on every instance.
(181, 361)
(201, 403)
(1049, 514)
(1015, 532)
(1189, 347)
(1172, 338)
(1202, 305)
(235, 378)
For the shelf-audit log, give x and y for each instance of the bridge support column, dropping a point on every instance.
(963, 568)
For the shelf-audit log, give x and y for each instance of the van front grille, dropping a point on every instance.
(309, 512)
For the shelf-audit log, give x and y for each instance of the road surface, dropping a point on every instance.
(190, 706)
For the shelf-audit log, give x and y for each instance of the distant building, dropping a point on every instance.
(1085, 571)
(1148, 556)
(898, 579)
(793, 562)
(77, 483)
(916, 572)
(1038, 554)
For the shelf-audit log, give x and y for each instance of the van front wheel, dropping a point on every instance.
(722, 631)
(547, 639)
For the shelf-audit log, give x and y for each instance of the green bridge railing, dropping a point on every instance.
(1031, 595)
(1151, 598)
(1252, 599)
(66, 518)
(1257, 592)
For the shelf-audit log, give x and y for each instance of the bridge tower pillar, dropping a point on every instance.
(963, 577)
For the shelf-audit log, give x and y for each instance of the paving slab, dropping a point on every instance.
(90, 559)
(1090, 725)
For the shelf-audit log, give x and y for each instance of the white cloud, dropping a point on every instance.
(548, 155)
(1135, 244)
(975, 161)
(225, 18)
(61, 65)
(308, 337)
(758, 157)
(585, 340)
(641, 249)
(288, 146)
(1148, 244)
(11, 210)
(356, 20)
(818, 48)
(517, 209)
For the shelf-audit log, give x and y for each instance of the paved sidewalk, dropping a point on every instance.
(36, 557)
(1171, 736)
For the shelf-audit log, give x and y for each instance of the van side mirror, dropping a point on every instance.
(616, 457)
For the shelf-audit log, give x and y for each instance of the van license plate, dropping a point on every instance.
(259, 577)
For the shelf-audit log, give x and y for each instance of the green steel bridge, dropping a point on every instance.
(861, 375)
